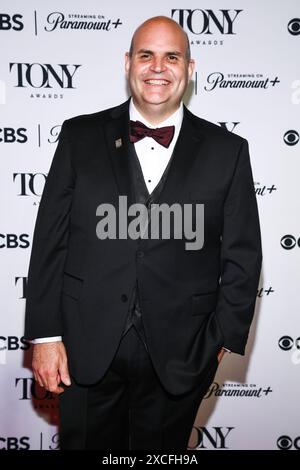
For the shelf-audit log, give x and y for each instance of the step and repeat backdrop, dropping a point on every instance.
(62, 58)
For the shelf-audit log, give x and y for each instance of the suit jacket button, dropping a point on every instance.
(149, 202)
(124, 298)
(140, 254)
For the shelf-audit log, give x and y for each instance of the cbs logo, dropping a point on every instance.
(8, 22)
(286, 443)
(11, 240)
(8, 135)
(289, 241)
(14, 443)
(294, 26)
(291, 137)
(13, 343)
(286, 343)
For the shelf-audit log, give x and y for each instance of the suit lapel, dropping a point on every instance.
(117, 137)
(184, 154)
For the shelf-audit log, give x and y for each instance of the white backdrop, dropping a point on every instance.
(247, 78)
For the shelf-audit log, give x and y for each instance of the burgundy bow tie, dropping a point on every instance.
(162, 135)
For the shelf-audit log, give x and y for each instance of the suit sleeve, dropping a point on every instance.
(49, 247)
(241, 256)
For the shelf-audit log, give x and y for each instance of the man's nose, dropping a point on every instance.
(158, 65)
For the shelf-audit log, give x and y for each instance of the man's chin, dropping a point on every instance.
(156, 100)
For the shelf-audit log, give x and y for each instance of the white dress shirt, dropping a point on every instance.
(152, 156)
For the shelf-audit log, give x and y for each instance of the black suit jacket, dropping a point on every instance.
(193, 302)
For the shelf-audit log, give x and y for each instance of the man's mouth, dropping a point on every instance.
(159, 82)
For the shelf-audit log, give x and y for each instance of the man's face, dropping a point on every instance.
(158, 71)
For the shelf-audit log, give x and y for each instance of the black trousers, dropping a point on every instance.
(129, 408)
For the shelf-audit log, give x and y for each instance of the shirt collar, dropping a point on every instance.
(174, 120)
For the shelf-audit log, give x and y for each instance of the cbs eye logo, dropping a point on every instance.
(294, 26)
(286, 442)
(291, 137)
(287, 342)
(289, 241)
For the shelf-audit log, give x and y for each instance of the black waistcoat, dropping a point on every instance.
(142, 196)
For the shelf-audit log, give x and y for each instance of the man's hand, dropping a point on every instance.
(221, 354)
(50, 367)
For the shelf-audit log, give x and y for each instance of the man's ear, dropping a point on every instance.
(127, 63)
(191, 68)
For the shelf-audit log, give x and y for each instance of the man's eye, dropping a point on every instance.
(144, 56)
(173, 58)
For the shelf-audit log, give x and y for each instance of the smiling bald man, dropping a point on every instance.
(129, 327)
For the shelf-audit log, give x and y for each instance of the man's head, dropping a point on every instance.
(158, 67)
